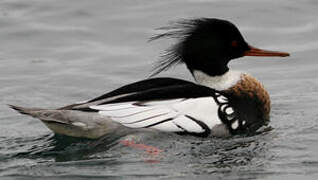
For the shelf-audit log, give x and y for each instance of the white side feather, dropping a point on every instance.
(165, 115)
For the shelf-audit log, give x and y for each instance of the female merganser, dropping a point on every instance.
(221, 103)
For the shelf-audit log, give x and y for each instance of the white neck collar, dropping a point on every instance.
(222, 82)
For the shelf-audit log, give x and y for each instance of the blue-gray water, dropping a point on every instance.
(56, 52)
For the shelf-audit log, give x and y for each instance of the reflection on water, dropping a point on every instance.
(54, 53)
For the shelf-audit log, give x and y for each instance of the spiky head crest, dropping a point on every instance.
(202, 43)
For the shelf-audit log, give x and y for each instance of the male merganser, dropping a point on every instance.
(221, 102)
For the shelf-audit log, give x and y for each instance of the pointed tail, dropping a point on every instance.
(23, 110)
(72, 123)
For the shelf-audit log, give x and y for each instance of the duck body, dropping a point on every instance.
(221, 102)
(165, 104)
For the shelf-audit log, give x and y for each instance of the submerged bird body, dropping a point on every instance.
(221, 102)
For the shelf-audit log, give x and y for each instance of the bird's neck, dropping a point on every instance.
(217, 82)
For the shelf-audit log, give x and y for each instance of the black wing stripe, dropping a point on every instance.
(132, 114)
(180, 127)
(145, 119)
(207, 130)
(160, 122)
(119, 109)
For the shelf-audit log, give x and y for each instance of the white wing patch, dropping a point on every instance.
(178, 115)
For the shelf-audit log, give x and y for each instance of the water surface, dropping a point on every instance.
(56, 52)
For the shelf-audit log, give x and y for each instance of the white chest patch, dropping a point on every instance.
(220, 83)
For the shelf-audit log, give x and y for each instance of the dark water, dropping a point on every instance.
(58, 52)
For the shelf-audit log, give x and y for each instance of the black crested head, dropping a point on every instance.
(204, 44)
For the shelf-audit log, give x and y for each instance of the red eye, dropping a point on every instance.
(234, 43)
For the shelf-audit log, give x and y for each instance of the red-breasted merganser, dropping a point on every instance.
(221, 102)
